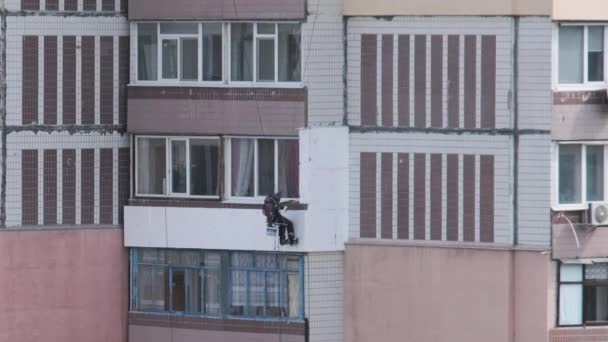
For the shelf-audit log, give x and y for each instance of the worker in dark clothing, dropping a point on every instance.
(272, 210)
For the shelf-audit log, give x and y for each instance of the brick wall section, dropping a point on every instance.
(50, 80)
(453, 80)
(87, 187)
(453, 199)
(582, 334)
(488, 81)
(368, 195)
(69, 186)
(368, 80)
(419, 196)
(387, 80)
(403, 70)
(30, 5)
(486, 199)
(29, 100)
(69, 80)
(468, 197)
(106, 186)
(436, 81)
(386, 197)
(88, 80)
(29, 186)
(124, 168)
(420, 81)
(50, 187)
(106, 86)
(470, 81)
(436, 188)
(123, 78)
(403, 195)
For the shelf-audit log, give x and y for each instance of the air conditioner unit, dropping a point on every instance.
(599, 213)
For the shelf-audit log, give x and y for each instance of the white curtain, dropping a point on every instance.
(242, 167)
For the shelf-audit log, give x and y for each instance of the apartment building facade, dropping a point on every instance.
(64, 170)
(477, 163)
(230, 102)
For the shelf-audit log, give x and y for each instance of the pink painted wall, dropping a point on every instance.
(63, 286)
(406, 293)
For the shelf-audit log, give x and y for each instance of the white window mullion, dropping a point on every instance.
(227, 66)
(200, 52)
(276, 165)
(255, 167)
(584, 174)
(255, 53)
(276, 53)
(159, 59)
(585, 54)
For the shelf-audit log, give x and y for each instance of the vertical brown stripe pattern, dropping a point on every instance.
(29, 187)
(87, 187)
(470, 80)
(123, 181)
(453, 81)
(70, 5)
(468, 198)
(436, 81)
(106, 194)
(367, 188)
(50, 187)
(68, 176)
(403, 92)
(52, 5)
(69, 80)
(420, 81)
(452, 200)
(488, 82)
(419, 196)
(386, 189)
(30, 5)
(89, 5)
(486, 199)
(369, 111)
(50, 80)
(107, 5)
(387, 80)
(403, 196)
(29, 99)
(106, 86)
(88, 80)
(436, 197)
(123, 77)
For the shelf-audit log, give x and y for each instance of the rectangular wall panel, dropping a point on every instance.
(488, 81)
(452, 200)
(50, 80)
(106, 186)
(123, 78)
(52, 5)
(486, 199)
(30, 5)
(453, 81)
(50, 187)
(88, 80)
(436, 81)
(403, 91)
(70, 5)
(69, 80)
(470, 81)
(369, 76)
(29, 98)
(386, 196)
(367, 186)
(403, 195)
(123, 181)
(29, 187)
(89, 5)
(436, 202)
(420, 81)
(87, 187)
(106, 86)
(107, 5)
(419, 196)
(68, 171)
(387, 80)
(468, 197)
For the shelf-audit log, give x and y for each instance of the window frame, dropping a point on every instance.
(228, 169)
(582, 283)
(226, 56)
(168, 191)
(584, 205)
(586, 84)
(224, 270)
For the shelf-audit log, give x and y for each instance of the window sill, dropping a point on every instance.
(173, 202)
(287, 85)
(570, 207)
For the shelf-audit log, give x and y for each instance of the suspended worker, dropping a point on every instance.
(272, 210)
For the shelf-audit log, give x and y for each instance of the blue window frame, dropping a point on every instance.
(217, 283)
